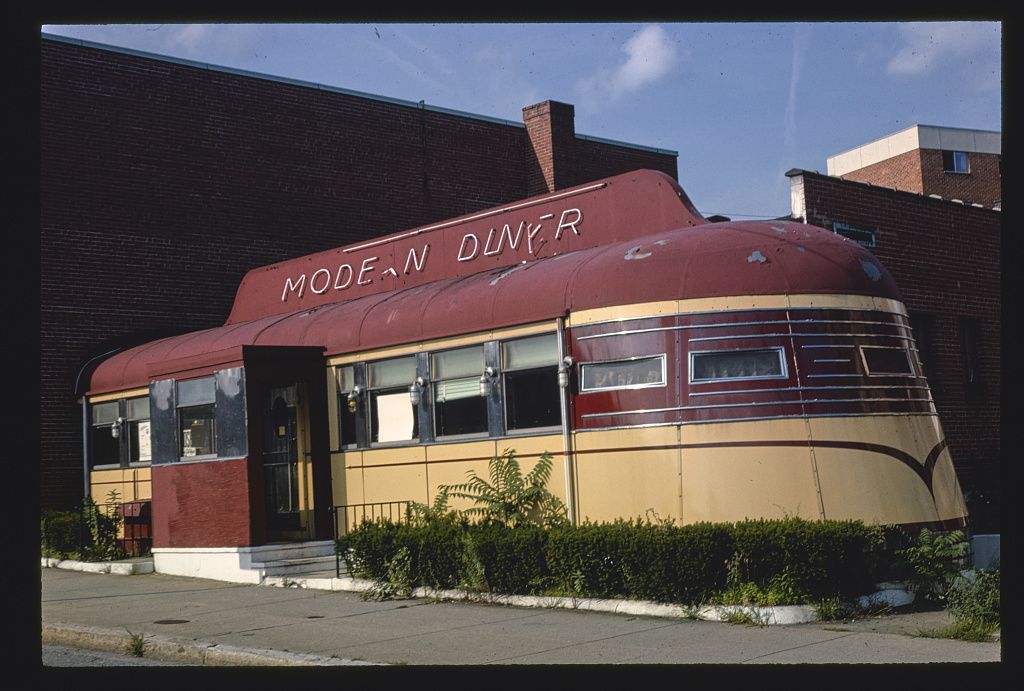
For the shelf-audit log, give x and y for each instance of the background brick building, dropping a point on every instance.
(163, 181)
(945, 257)
(947, 162)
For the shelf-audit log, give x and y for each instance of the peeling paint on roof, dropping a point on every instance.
(756, 256)
(871, 270)
(635, 253)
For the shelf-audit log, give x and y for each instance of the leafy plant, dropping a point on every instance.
(103, 527)
(59, 533)
(397, 582)
(509, 497)
(935, 560)
(137, 644)
(974, 602)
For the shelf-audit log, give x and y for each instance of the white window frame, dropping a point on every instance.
(644, 385)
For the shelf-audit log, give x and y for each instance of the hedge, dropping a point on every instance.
(626, 559)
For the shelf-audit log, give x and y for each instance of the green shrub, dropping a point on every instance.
(511, 560)
(586, 561)
(59, 533)
(975, 602)
(676, 563)
(935, 560)
(801, 560)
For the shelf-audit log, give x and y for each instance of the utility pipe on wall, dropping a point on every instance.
(563, 395)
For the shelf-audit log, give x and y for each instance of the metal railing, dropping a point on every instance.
(106, 532)
(348, 517)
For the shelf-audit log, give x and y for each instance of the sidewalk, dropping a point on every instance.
(198, 622)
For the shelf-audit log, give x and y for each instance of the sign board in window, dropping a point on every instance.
(144, 443)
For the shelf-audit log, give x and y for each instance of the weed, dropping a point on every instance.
(137, 644)
(936, 559)
(750, 617)
(976, 631)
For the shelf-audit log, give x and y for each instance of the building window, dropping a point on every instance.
(530, 376)
(731, 365)
(105, 448)
(970, 349)
(955, 162)
(138, 423)
(859, 235)
(197, 427)
(348, 415)
(392, 416)
(881, 361)
(630, 373)
(922, 327)
(459, 408)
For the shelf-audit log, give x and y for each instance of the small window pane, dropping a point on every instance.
(527, 353)
(624, 374)
(392, 416)
(454, 389)
(886, 361)
(346, 378)
(197, 431)
(389, 373)
(465, 415)
(457, 363)
(737, 364)
(139, 448)
(138, 408)
(196, 391)
(104, 449)
(104, 413)
(532, 398)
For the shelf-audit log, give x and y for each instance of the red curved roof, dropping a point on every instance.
(711, 260)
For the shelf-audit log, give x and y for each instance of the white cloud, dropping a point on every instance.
(651, 55)
(925, 46)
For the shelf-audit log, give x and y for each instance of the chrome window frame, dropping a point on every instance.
(867, 369)
(780, 351)
(647, 385)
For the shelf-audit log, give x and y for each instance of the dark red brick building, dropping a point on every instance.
(163, 181)
(945, 257)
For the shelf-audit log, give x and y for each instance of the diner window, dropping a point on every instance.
(955, 162)
(727, 365)
(632, 373)
(880, 361)
(348, 416)
(138, 429)
(530, 373)
(197, 427)
(458, 406)
(105, 448)
(392, 415)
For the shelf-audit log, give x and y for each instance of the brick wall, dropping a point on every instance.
(902, 172)
(945, 258)
(161, 184)
(921, 170)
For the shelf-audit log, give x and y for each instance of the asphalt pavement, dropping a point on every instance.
(200, 622)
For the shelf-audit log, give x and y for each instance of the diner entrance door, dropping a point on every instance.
(286, 497)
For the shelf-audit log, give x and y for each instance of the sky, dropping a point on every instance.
(741, 103)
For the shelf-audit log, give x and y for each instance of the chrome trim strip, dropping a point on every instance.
(829, 345)
(798, 335)
(738, 311)
(753, 419)
(755, 404)
(805, 388)
(790, 322)
(836, 359)
(825, 376)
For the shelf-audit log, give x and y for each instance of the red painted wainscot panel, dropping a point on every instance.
(201, 504)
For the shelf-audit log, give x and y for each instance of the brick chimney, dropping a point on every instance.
(551, 157)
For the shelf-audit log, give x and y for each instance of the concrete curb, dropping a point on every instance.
(184, 650)
(120, 568)
(889, 594)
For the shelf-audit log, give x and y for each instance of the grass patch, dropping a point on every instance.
(137, 644)
(975, 631)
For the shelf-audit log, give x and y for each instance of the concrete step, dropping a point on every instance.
(291, 567)
(290, 550)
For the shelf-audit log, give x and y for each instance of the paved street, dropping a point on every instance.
(343, 628)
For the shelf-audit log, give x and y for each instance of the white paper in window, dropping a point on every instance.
(145, 453)
(394, 416)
